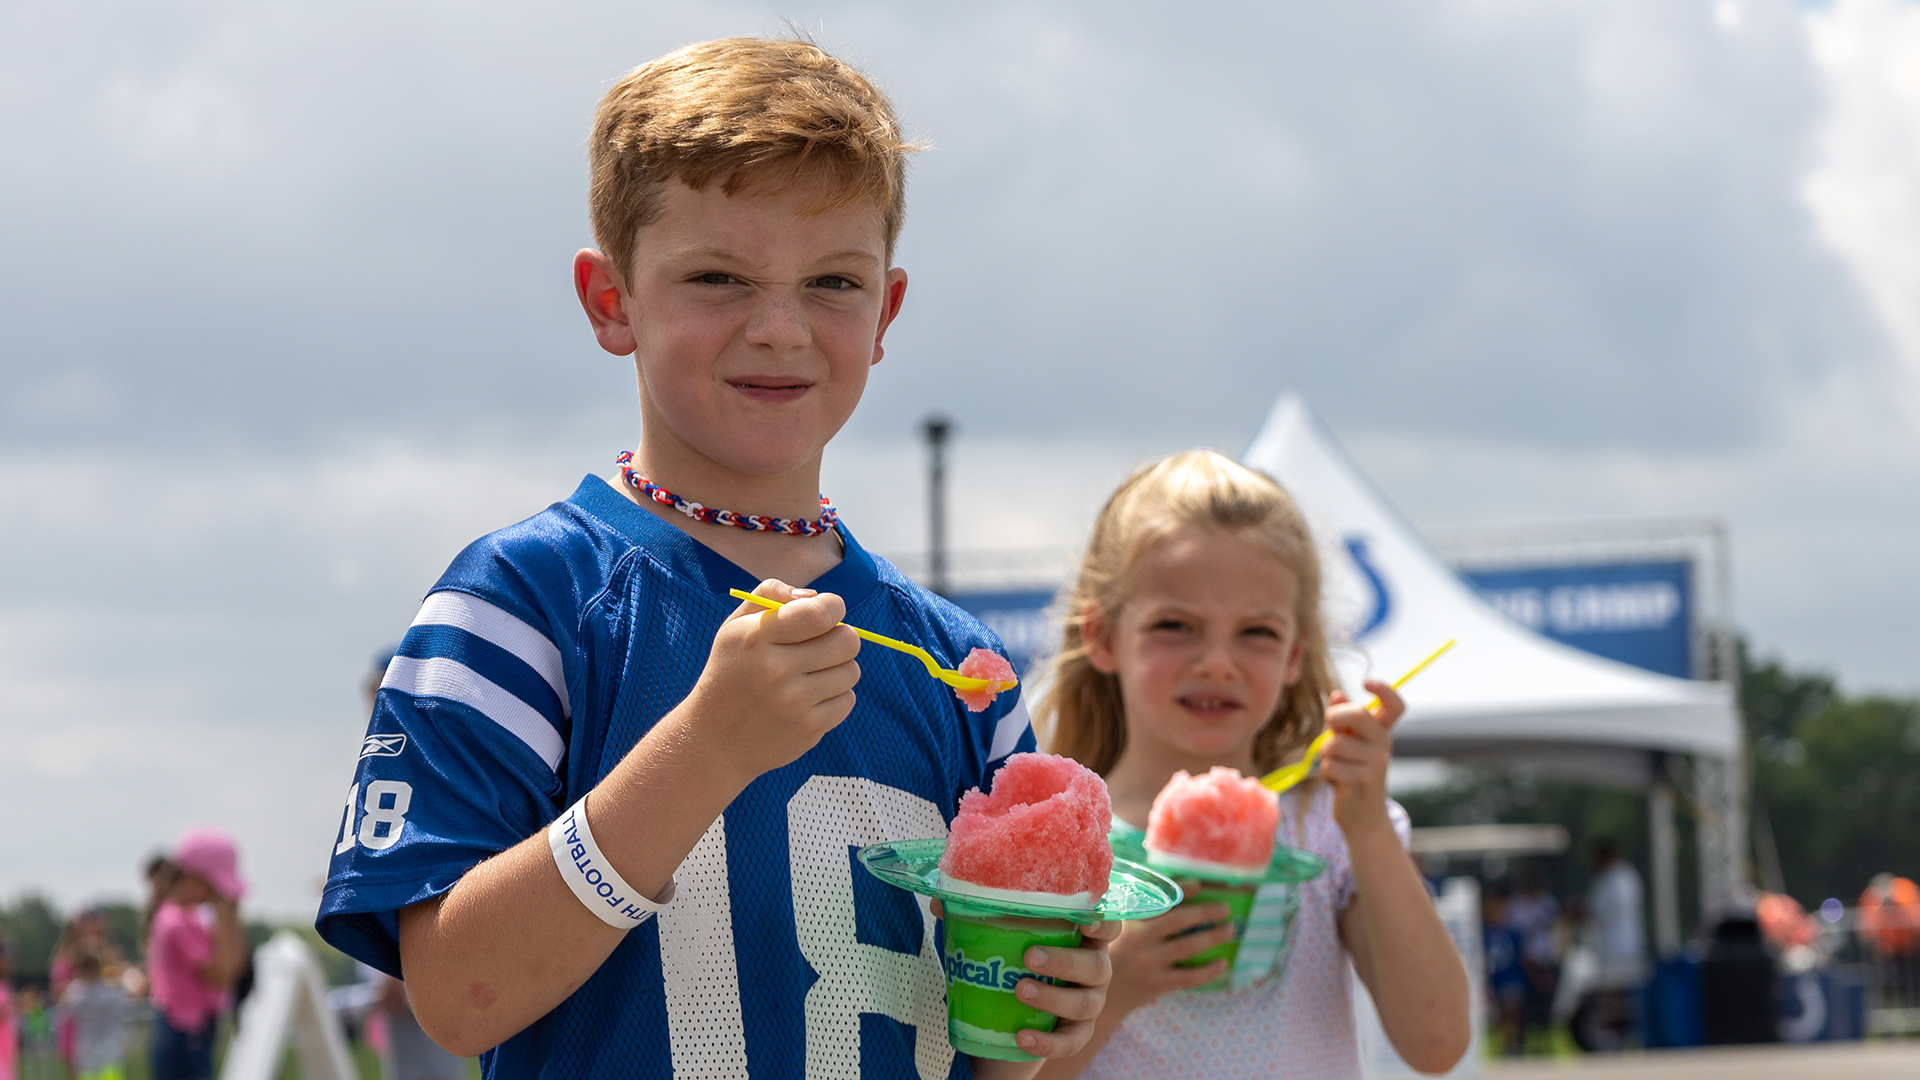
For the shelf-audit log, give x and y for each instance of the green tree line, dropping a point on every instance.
(31, 925)
(1836, 782)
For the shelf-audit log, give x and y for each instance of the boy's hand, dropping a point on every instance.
(777, 680)
(1145, 954)
(1355, 759)
(1085, 973)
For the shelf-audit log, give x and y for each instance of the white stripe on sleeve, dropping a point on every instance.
(1006, 734)
(450, 679)
(500, 627)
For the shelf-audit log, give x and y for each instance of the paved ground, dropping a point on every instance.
(1847, 1061)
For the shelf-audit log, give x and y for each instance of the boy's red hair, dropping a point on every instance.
(747, 112)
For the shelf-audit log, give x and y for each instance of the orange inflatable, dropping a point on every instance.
(1890, 915)
(1783, 921)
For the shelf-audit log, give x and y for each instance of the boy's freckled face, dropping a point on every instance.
(1203, 648)
(755, 323)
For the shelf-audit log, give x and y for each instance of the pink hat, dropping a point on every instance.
(208, 854)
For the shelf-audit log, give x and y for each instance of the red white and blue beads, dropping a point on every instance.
(829, 517)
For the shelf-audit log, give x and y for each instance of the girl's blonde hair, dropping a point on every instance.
(1080, 714)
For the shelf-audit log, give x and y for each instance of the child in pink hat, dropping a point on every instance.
(193, 957)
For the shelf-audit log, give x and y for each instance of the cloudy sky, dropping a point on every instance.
(285, 320)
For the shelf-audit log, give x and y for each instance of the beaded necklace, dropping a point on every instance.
(829, 517)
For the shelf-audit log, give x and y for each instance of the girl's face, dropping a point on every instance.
(190, 891)
(1203, 649)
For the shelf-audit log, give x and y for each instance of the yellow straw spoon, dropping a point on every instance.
(951, 678)
(1287, 776)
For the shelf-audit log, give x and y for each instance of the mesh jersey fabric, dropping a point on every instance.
(541, 657)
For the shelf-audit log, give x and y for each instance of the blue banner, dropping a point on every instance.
(1638, 613)
(1020, 618)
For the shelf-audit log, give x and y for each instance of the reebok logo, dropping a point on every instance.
(383, 746)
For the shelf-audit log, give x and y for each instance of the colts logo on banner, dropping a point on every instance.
(1382, 604)
(383, 746)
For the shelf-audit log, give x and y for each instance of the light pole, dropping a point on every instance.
(936, 428)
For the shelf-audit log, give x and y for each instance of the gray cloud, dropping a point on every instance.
(1574, 226)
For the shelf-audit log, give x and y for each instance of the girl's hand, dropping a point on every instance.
(1400, 948)
(1147, 950)
(1355, 759)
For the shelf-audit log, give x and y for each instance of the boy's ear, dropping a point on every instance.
(890, 301)
(603, 294)
(1093, 631)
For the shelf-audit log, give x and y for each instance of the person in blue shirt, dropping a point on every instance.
(1506, 975)
(604, 817)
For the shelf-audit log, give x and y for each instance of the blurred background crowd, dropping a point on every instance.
(1832, 950)
(123, 991)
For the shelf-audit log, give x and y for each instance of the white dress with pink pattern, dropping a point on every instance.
(1297, 1024)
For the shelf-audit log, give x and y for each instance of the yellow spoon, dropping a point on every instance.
(951, 678)
(1287, 776)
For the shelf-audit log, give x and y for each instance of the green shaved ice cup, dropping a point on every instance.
(985, 958)
(985, 938)
(1239, 900)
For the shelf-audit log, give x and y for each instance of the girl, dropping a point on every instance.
(193, 962)
(9, 1022)
(1195, 639)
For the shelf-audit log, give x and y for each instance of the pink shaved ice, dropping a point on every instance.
(984, 664)
(1043, 829)
(1221, 818)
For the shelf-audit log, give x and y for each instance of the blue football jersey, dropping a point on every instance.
(546, 651)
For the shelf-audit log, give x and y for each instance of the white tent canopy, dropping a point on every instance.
(1504, 692)
(1503, 689)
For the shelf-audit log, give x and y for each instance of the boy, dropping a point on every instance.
(604, 814)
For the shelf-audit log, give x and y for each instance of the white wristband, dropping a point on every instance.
(592, 878)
